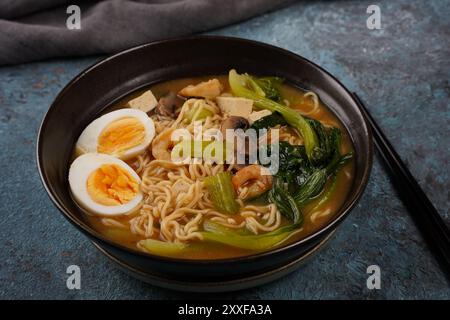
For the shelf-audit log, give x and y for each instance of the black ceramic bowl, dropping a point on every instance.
(94, 89)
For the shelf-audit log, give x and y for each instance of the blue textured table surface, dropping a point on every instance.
(402, 72)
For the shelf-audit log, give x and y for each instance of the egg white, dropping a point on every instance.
(79, 173)
(88, 140)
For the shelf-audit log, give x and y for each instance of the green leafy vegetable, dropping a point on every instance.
(326, 141)
(163, 248)
(222, 192)
(294, 166)
(208, 150)
(270, 86)
(255, 86)
(315, 183)
(297, 180)
(312, 187)
(189, 148)
(244, 86)
(303, 170)
(217, 233)
(269, 121)
(286, 204)
(198, 113)
(327, 195)
(311, 180)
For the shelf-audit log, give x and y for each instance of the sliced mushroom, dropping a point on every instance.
(169, 104)
(233, 123)
(241, 151)
(207, 89)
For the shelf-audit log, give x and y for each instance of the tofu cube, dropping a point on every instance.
(145, 102)
(256, 115)
(235, 106)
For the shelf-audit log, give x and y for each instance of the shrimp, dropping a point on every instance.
(249, 181)
(162, 145)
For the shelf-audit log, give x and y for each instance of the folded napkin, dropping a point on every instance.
(32, 30)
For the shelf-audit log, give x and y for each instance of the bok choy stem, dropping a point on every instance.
(222, 192)
(217, 233)
(162, 248)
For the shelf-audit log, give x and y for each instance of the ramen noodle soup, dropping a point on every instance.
(212, 167)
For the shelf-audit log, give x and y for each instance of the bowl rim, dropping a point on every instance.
(91, 232)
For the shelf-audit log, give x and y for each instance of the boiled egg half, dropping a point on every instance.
(124, 133)
(105, 185)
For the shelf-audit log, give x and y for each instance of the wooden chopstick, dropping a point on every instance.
(425, 215)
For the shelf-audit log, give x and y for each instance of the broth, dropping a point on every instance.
(212, 250)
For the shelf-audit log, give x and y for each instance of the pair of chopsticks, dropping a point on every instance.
(425, 215)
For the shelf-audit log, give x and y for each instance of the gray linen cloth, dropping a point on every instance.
(33, 30)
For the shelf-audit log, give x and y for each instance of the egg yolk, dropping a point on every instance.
(112, 185)
(121, 135)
